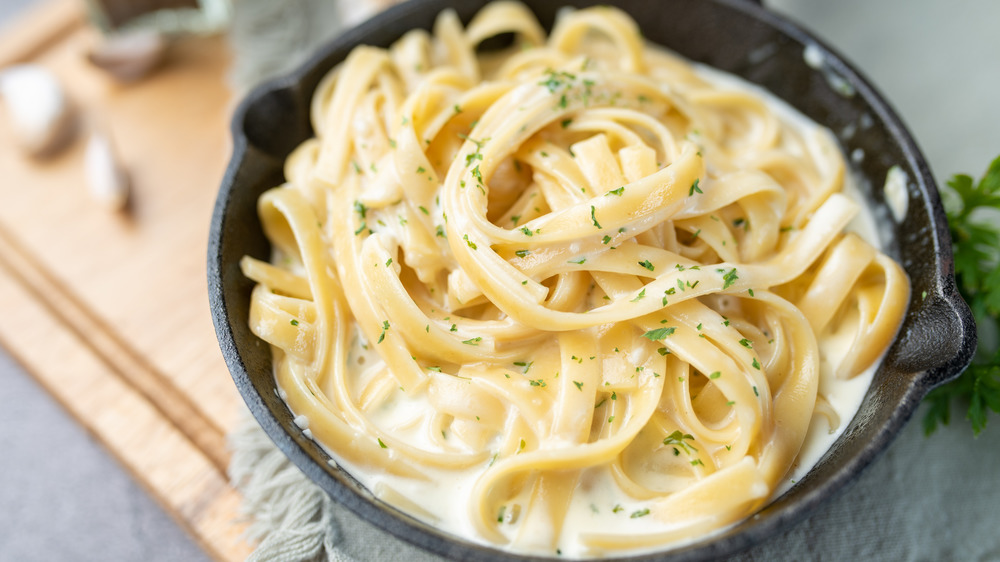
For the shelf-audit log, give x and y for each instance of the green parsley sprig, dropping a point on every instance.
(976, 245)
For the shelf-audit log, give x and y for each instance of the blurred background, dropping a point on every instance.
(63, 497)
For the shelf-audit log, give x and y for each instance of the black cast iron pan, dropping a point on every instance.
(935, 343)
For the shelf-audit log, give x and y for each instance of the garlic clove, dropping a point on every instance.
(106, 178)
(131, 55)
(40, 113)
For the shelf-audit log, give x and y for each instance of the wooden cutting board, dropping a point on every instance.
(109, 311)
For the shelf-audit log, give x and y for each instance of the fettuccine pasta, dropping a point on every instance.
(576, 295)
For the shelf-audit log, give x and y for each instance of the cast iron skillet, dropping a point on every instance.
(935, 343)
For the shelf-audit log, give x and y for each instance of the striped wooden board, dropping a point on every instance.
(109, 311)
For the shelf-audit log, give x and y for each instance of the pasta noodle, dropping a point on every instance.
(577, 279)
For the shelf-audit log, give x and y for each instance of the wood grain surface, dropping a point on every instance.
(109, 311)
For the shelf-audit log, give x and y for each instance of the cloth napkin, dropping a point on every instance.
(925, 499)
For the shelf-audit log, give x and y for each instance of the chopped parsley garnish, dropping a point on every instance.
(659, 333)
(729, 278)
(640, 296)
(746, 343)
(593, 218)
(715, 375)
(381, 444)
(579, 385)
(537, 382)
(647, 264)
(294, 322)
(521, 253)
(756, 364)
(676, 440)
(470, 243)
(556, 80)
(640, 513)
(360, 208)
(694, 187)
(617, 192)
(385, 326)
(473, 341)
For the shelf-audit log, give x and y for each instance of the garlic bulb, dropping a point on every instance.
(107, 180)
(131, 55)
(37, 107)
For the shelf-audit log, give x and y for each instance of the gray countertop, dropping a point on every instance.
(64, 498)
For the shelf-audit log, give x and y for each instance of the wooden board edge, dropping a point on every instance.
(37, 28)
(213, 521)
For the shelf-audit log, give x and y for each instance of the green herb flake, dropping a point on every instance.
(579, 385)
(381, 444)
(715, 375)
(473, 341)
(746, 343)
(293, 322)
(694, 187)
(677, 440)
(659, 333)
(729, 278)
(360, 209)
(647, 264)
(639, 513)
(470, 243)
(617, 192)
(593, 218)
